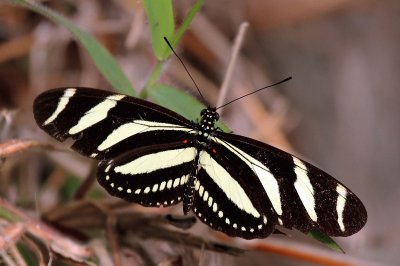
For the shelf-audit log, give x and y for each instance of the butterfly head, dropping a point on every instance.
(209, 114)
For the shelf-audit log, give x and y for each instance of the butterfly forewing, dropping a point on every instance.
(303, 196)
(104, 124)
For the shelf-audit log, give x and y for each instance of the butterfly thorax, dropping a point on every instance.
(207, 122)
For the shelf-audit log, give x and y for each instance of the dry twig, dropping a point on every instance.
(234, 55)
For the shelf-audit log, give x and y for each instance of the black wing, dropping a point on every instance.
(301, 196)
(228, 197)
(105, 124)
(151, 176)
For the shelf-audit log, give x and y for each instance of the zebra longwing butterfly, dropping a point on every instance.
(155, 157)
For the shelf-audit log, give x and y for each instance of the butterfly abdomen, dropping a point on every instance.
(188, 193)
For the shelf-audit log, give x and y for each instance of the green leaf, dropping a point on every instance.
(153, 78)
(180, 102)
(26, 253)
(329, 242)
(176, 100)
(162, 25)
(161, 19)
(186, 22)
(103, 60)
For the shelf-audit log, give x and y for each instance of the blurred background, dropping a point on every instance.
(340, 111)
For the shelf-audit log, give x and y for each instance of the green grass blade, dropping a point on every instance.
(186, 22)
(329, 242)
(176, 100)
(103, 60)
(161, 19)
(26, 254)
(179, 102)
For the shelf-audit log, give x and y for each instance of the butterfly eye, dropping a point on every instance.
(216, 116)
(202, 113)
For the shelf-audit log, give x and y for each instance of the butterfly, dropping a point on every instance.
(153, 156)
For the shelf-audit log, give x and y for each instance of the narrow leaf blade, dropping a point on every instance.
(329, 242)
(186, 23)
(161, 19)
(103, 60)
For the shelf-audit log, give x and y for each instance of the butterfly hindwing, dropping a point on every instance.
(228, 199)
(151, 176)
(104, 124)
(303, 196)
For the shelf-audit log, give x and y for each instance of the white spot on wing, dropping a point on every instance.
(176, 182)
(62, 103)
(155, 161)
(169, 184)
(210, 201)
(155, 188)
(340, 204)
(229, 186)
(205, 196)
(107, 168)
(96, 114)
(201, 190)
(304, 188)
(215, 207)
(162, 186)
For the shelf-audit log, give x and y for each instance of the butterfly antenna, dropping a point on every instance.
(187, 71)
(282, 81)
